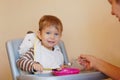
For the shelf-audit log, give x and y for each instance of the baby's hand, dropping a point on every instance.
(61, 67)
(64, 66)
(38, 67)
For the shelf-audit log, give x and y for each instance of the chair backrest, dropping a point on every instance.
(12, 47)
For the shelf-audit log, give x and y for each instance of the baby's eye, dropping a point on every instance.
(47, 32)
(56, 34)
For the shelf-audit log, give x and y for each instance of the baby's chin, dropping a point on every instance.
(51, 45)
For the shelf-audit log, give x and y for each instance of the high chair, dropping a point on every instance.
(12, 47)
(12, 50)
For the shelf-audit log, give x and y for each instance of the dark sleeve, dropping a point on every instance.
(26, 61)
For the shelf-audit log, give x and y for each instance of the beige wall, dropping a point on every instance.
(88, 27)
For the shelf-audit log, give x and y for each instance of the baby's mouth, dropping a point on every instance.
(51, 42)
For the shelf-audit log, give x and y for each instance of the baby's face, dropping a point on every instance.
(50, 36)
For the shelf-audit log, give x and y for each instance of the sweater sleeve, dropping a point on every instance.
(26, 61)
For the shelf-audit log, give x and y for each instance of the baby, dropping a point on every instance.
(44, 52)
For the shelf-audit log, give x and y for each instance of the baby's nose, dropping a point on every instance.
(52, 36)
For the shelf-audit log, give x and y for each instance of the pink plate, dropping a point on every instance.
(66, 71)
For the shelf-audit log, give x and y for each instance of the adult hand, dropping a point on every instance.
(87, 61)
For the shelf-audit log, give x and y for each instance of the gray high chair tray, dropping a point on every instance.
(12, 47)
(80, 76)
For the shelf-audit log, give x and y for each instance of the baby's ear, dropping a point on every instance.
(38, 34)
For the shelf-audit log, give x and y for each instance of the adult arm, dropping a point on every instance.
(92, 62)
